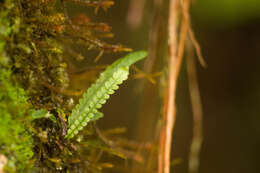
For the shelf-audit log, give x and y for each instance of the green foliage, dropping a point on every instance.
(35, 50)
(15, 140)
(99, 92)
(41, 113)
(7, 26)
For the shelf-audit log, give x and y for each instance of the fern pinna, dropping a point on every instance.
(98, 93)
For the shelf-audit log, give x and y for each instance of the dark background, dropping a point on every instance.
(229, 34)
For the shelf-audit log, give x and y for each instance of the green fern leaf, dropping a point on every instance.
(98, 93)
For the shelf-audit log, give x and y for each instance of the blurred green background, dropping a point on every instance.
(229, 34)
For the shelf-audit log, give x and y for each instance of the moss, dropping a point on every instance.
(15, 139)
(35, 98)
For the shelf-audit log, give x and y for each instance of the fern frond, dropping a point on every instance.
(98, 93)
